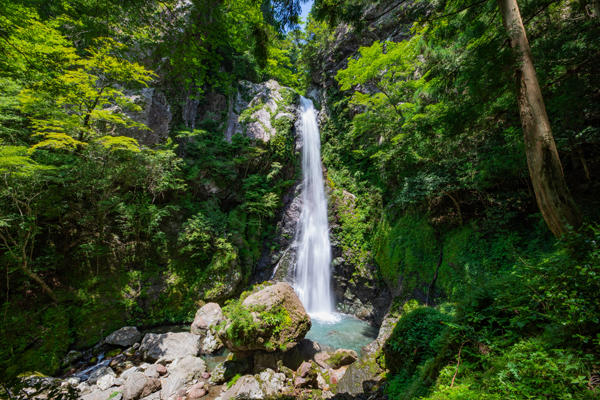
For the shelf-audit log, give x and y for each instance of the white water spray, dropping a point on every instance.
(313, 275)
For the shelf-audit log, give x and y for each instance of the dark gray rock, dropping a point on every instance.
(124, 337)
(155, 113)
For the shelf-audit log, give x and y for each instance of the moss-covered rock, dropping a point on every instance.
(341, 357)
(270, 317)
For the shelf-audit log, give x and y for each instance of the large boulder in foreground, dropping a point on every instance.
(167, 347)
(269, 318)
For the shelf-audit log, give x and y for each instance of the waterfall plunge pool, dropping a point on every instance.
(341, 331)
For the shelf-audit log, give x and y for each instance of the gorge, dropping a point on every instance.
(217, 200)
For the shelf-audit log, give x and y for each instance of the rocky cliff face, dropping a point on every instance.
(390, 20)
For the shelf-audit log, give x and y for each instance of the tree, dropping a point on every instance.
(552, 194)
(21, 189)
(87, 100)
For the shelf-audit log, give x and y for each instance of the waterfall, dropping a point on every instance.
(313, 275)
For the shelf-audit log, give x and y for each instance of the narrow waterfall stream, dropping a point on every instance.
(313, 269)
(313, 275)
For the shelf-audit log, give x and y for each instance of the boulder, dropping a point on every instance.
(139, 385)
(272, 383)
(211, 343)
(246, 387)
(226, 370)
(169, 346)
(270, 318)
(341, 357)
(207, 317)
(99, 373)
(360, 377)
(124, 337)
(306, 375)
(181, 372)
(105, 382)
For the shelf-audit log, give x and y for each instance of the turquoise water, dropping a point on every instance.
(345, 332)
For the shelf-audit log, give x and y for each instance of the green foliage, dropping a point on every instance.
(414, 339)
(407, 251)
(528, 370)
(74, 107)
(283, 63)
(244, 329)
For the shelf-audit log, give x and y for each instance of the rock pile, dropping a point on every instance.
(272, 360)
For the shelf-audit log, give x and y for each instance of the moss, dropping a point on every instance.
(233, 380)
(113, 353)
(244, 329)
(246, 115)
(289, 97)
(406, 250)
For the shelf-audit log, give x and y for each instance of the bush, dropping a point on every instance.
(414, 339)
(529, 371)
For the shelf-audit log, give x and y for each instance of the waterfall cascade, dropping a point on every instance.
(313, 274)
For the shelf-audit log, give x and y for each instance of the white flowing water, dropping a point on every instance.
(313, 274)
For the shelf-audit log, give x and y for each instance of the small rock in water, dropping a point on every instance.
(161, 369)
(197, 391)
(205, 375)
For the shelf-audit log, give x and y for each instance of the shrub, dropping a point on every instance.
(414, 339)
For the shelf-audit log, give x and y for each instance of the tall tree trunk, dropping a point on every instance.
(551, 192)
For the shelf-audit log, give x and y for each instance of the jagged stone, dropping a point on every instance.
(252, 109)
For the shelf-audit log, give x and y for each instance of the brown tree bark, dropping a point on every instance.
(551, 192)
